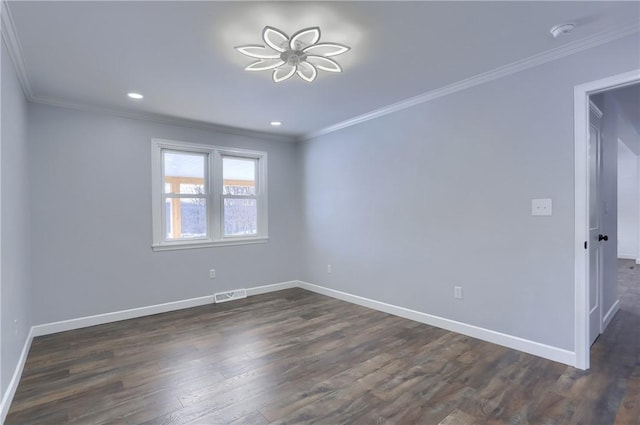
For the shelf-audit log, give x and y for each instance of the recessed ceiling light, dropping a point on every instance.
(300, 54)
(561, 29)
(276, 123)
(134, 95)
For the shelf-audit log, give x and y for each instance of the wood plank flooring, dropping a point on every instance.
(295, 357)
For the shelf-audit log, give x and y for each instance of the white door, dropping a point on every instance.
(596, 236)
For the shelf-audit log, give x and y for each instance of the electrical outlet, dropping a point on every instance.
(457, 292)
(212, 274)
(541, 206)
(328, 268)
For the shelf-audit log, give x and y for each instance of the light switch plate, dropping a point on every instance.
(541, 206)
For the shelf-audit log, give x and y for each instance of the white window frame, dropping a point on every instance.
(214, 197)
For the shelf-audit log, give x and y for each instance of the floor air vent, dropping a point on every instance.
(236, 294)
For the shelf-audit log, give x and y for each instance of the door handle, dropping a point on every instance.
(603, 238)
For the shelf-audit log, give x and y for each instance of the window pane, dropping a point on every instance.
(184, 172)
(192, 189)
(240, 217)
(186, 218)
(239, 175)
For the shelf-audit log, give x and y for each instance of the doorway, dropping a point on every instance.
(584, 257)
(628, 99)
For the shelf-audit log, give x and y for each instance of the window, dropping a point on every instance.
(184, 196)
(240, 203)
(207, 196)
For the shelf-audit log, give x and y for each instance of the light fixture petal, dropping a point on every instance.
(257, 51)
(307, 72)
(326, 49)
(324, 64)
(264, 64)
(304, 38)
(275, 38)
(283, 73)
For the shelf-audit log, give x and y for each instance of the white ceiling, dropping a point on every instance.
(180, 54)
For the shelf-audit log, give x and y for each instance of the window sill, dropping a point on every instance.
(208, 244)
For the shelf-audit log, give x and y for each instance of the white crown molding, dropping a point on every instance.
(494, 74)
(12, 42)
(162, 119)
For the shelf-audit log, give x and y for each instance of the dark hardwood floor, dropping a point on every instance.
(295, 357)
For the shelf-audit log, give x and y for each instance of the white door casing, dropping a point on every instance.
(581, 186)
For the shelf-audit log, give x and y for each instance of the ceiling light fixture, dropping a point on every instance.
(276, 123)
(302, 54)
(134, 95)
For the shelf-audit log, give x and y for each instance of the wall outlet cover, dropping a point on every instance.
(541, 206)
(457, 292)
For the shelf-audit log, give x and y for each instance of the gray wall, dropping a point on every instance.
(406, 206)
(14, 190)
(91, 218)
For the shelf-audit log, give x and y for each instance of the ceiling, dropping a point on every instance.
(180, 54)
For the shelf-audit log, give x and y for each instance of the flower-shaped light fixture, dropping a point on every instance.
(301, 54)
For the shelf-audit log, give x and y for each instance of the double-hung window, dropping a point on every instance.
(207, 196)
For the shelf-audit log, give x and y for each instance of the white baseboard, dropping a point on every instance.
(510, 341)
(612, 312)
(257, 290)
(99, 319)
(623, 256)
(628, 257)
(516, 343)
(15, 379)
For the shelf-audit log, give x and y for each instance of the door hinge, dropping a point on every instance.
(585, 244)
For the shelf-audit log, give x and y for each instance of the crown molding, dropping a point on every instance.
(502, 71)
(163, 119)
(10, 39)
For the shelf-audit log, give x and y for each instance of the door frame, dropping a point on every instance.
(581, 95)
